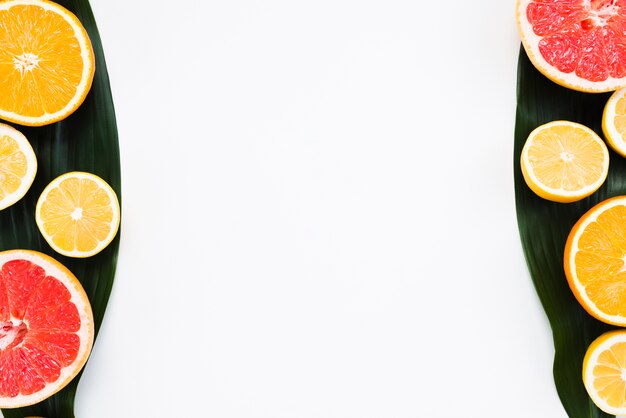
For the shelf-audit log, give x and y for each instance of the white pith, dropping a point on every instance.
(25, 62)
(85, 333)
(564, 156)
(31, 162)
(590, 217)
(86, 53)
(531, 44)
(114, 224)
(7, 337)
(588, 378)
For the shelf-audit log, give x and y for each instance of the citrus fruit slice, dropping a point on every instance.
(18, 165)
(78, 214)
(604, 372)
(614, 121)
(595, 260)
(579, 44)
(46, 327)
(564, 161)
(46, 62)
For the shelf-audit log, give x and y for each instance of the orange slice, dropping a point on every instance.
(604, 372)
(564, 161)
(18, 165)
(579, 44)
(46, 327)
(78, 214)
(595, 261)
(614, 121)
(46, 62)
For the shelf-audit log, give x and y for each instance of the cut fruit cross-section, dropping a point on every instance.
(595, 261)
(46, 327)
(604, 372)
(579, 44)
(564, 161)
(18, 165)
(46, 62)
(614, 121)
(78, 214)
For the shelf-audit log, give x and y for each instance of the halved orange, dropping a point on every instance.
(18, 165)
(78, 214)
(595, 261)
(604, 372)
(564, 161)
(46, 327)
(46, 62)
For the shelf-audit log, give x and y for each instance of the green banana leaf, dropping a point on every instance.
(86, 141)
(544, 227)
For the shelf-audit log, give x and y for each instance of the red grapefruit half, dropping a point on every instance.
(46, 327)
(579, 44)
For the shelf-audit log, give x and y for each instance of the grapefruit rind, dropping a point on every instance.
(569, 261)
(530, 41)
(87, 56)
(595, 349)
(560, 195)
(85, 333)
(31, 163)
(613, 137)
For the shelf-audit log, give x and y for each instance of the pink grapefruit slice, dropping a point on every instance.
(579, 44)
(46, 327)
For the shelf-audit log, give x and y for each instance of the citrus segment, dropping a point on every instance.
(78, 214)
(46, 327)
(595, 261)
(580, 44)
(18, 165)
(564, 161)
(46, 62)
(604, 372)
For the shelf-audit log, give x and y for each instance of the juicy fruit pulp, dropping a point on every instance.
(46, 62)
(46, 327)
(564, 161)
(604, 372)
(578, 43)
(78, 214)
(595, 261)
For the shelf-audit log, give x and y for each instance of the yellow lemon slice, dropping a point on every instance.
(564, 161)
(604, 372)
(78, 214)
(614, 122)
(18, 165)
(46, 62)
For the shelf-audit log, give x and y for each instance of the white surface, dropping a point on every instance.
(318, 214)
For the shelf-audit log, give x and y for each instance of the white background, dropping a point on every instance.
(318, 214)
